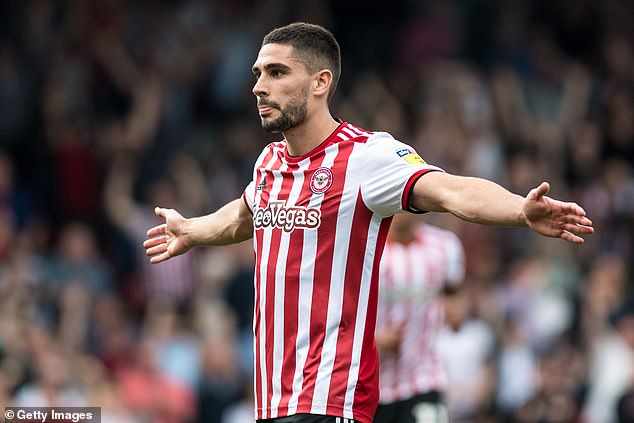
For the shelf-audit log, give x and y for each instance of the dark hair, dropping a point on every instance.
(313, 44)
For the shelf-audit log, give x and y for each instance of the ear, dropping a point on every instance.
(322, 82)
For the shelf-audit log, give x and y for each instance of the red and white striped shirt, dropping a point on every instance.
(411, 277)
(320, 224)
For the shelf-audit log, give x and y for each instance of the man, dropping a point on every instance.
(318, 210)
(421, 264)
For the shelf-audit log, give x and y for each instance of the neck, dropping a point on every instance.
(306, 137)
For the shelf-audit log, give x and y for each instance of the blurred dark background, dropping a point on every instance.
(108, 108)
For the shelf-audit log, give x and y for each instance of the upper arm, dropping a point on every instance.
(434, 191)
(243, 220)
(472, 199)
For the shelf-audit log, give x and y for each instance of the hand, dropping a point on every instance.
(168, 239)
(555, 218)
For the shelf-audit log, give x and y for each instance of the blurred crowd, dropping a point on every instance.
(108, 108)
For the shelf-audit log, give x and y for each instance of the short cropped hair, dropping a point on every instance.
(314, 45)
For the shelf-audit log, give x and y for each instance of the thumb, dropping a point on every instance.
(160, 212)
(539, 192)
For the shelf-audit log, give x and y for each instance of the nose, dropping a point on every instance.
(258, 89)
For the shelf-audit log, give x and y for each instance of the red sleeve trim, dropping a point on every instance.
(244, 198)
(409, 186)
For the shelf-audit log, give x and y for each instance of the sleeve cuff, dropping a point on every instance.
(244, 198)
(409, 186)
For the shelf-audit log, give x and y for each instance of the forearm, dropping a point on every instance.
(230, 224)
(471, 199)
(482, 201)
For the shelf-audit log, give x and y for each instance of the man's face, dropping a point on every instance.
(281, 88)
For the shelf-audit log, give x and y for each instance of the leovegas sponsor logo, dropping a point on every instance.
(277, 215)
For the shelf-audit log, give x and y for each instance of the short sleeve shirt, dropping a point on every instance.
(320, 224)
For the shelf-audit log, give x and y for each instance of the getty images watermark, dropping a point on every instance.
(52, 414)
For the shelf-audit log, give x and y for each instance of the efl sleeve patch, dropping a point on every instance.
(414, 159)
(410, 156)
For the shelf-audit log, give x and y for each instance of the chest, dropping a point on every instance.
(303, 195)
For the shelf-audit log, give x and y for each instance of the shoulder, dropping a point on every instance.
(380, 138)
(275, 146)
(272, 149)
(348, 131)
(388, 147)
(380, 144)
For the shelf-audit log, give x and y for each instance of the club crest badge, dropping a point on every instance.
(321, 180)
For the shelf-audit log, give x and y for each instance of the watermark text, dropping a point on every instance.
(52, 414)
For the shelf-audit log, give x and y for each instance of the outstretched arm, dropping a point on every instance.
(482, 201)
(230, 224)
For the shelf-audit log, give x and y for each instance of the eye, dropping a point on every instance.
(275, 73)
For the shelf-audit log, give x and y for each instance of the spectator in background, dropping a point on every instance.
(53, 384)
(78, 261)
(611, 367)
(13, 198)
(420, 264)
(78, 277)
(15, 96)
(222, 380)
(112, 333)
(100, 389)
(176, 281)
(558, 392)
(222, 376)
(516, 367)
(175, 345)
(149, 394)
(241, 411)
(466, 345)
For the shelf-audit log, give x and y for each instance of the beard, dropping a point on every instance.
(292, 115)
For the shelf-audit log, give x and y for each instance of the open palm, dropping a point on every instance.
(167, 239)
(555, 218)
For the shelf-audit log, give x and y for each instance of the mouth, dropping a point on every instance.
(265, 110)
(265, 107)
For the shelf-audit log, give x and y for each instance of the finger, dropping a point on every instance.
(574, 208)
(578, 229)
(159, 211)
(160, 258)
(579, 220)
(159, 249)
(155, 241)
(584, 221)
(570, 237)
(540, 191)
(157, 230)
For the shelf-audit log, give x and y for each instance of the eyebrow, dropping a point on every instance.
(270, 66)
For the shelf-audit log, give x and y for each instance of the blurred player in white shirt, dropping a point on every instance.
(421, 263)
